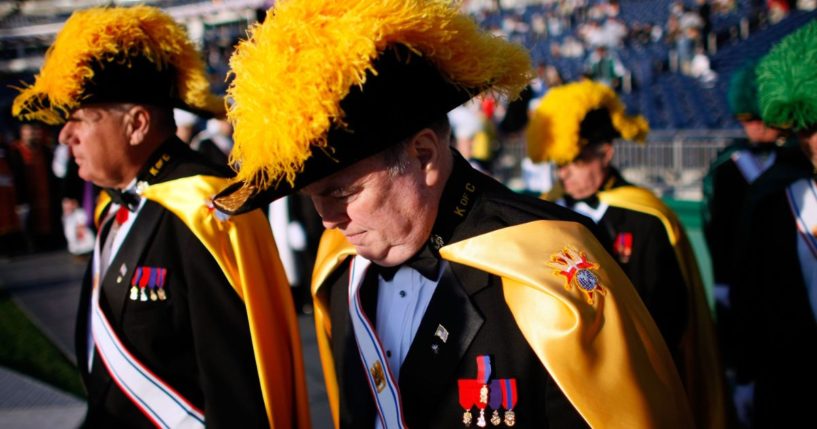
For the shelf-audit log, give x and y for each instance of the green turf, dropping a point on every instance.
(25, 349)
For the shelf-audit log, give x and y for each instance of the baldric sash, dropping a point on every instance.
(382, 384)
(750, 166)
(165, 407)
(802, 196)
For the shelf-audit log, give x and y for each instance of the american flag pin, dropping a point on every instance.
(441, 333)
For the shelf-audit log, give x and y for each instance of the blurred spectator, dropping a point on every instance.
(704, 11)
(778, 9)
(700, 68)
(10, 229)
(605, 68)
(215, 141)
(77, 208)
(37, 189)
(185, 124)
(572, 48)
(297, 229)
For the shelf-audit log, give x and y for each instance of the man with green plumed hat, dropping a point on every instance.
(774, 296)
(725, 186)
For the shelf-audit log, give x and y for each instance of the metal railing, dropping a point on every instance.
(672, 162)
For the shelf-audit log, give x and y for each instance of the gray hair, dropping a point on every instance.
(395, 155)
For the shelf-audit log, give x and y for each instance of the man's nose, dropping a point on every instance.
(65, 134)
(332, 214)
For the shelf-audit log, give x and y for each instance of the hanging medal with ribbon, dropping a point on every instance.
(495, 401)
(509, 399)
(468, 389)
(483, 375)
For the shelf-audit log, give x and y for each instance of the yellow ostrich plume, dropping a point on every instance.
(109, 35)
(294, 70)
(554, 130)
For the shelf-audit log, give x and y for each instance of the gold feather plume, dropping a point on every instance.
(294, 70)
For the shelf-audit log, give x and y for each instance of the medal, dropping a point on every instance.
(483, 374)
(509, 399)
(623, 246)
(160, 285)
(134, 290)
(495, 401)
(468, 390)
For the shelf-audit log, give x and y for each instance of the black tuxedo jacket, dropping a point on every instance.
(197, 340)
(469, 303)
(776, 326)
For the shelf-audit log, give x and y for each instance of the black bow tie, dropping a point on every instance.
(127, 199)
(592, 201)
(424, 262)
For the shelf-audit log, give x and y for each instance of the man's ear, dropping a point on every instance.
(137, 124)
(607, 154)
(425, 149)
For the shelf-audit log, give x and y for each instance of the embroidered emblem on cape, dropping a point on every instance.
(577, 271)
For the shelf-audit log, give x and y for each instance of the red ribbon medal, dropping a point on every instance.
(483, 375)
(624, 246)
(508, 386)
(469, 391)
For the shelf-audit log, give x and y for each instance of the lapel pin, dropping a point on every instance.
(441, 333)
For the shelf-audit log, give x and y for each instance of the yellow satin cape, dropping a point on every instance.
(607, 356)
(703, 377)
(245, 250)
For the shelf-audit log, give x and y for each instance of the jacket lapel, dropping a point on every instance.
(447, 330)
(116, 283)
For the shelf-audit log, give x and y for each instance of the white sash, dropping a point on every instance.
(384, 388)
(165, 407)
(750, 166)
(802, 196)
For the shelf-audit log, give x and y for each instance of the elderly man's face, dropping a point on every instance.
(386, 217)
(98, 140)
(585, 175)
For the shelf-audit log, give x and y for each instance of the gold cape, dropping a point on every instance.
(703, 376)
(607, 356)
(245, 250)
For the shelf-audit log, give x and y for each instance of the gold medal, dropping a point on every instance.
(134, 293)
(510, 418)
(161, 294)
(495, 420)
(467, 418)
(153, 296)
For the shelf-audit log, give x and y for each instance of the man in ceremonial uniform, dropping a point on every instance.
(185, 318)
(442, 299)
(774, 298)
(574, 126)
(725, 188)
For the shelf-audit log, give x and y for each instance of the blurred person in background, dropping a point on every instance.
(215, 142)
(774, 295)
(725, 188)
(10, 229)
(37, 187)
(575, 126)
